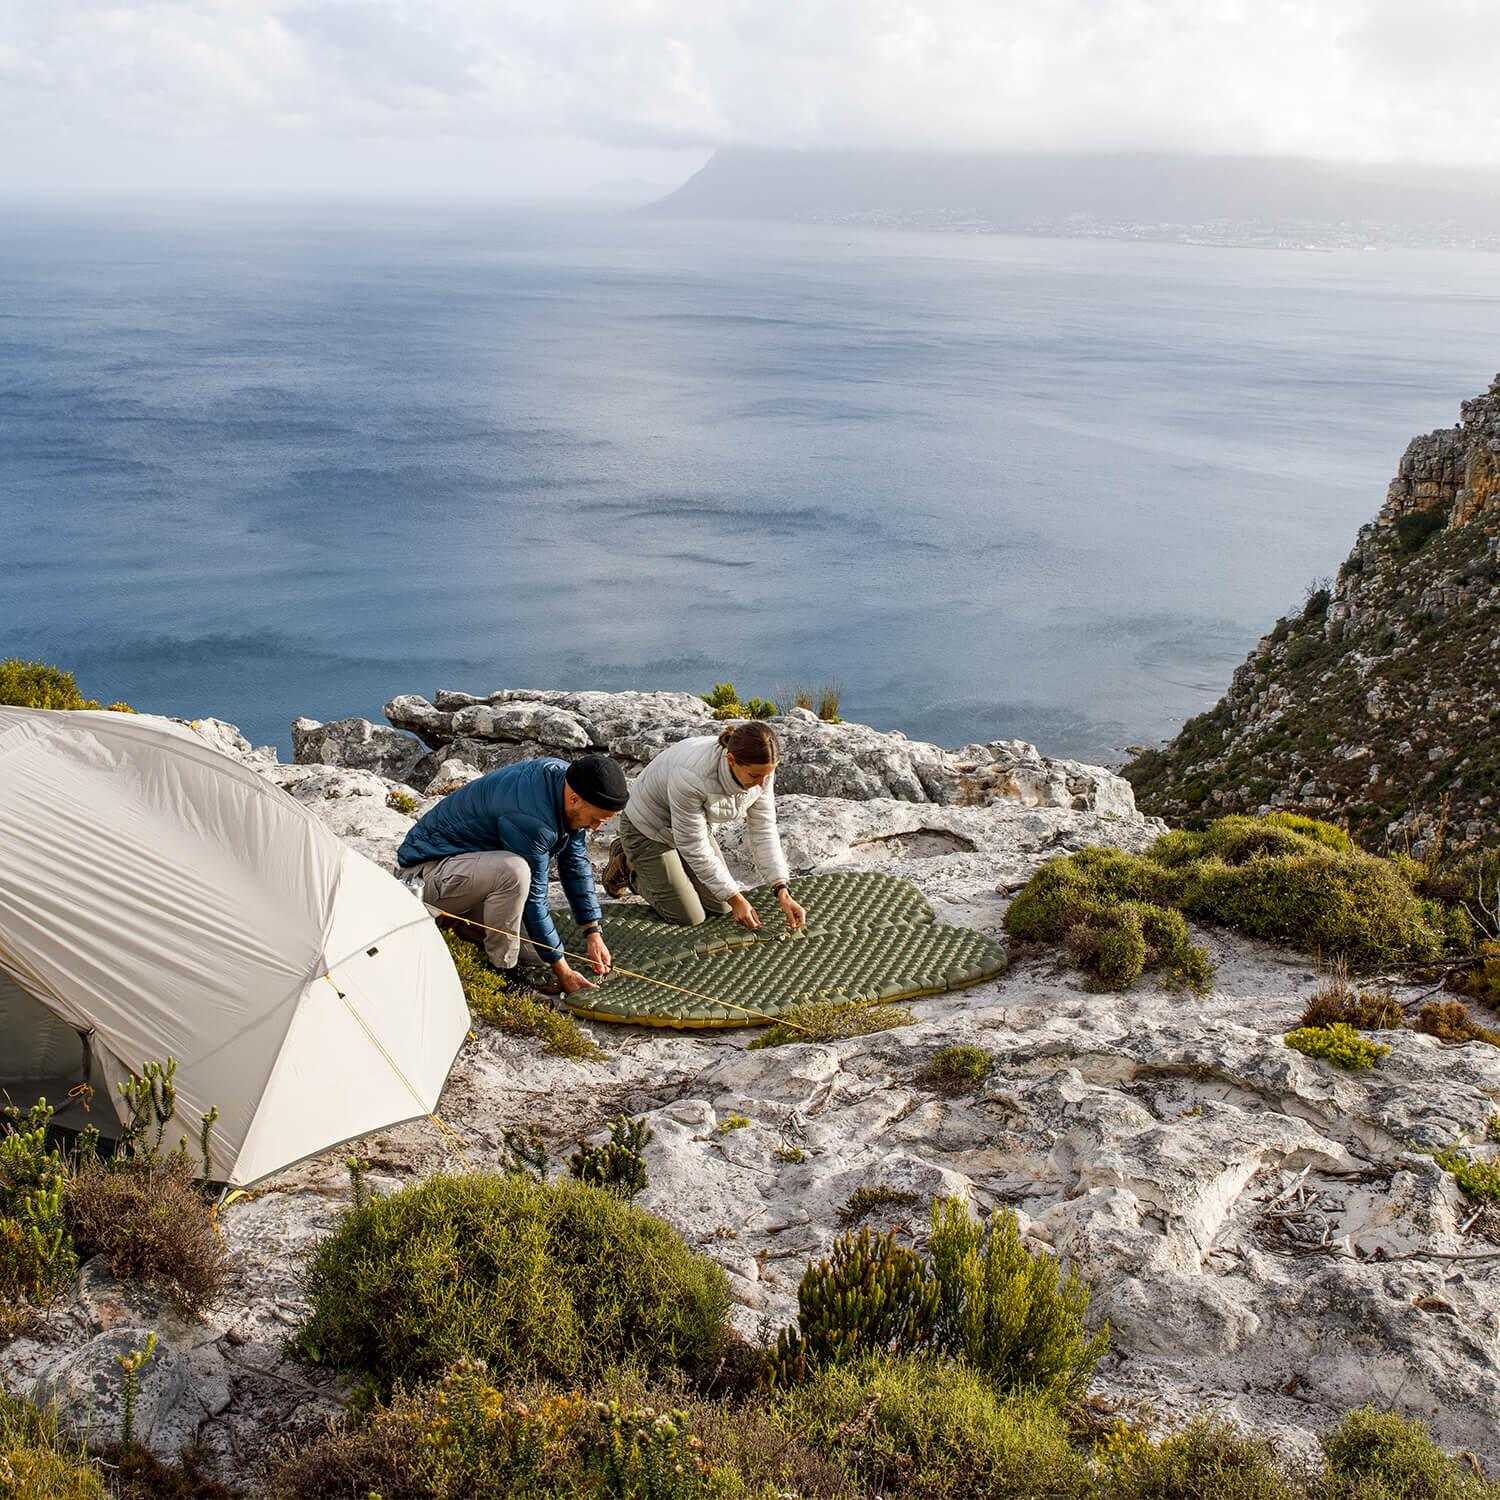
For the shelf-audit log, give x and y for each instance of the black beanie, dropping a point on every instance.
(598, 780)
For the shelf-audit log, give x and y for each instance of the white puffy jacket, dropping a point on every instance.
(688, 787)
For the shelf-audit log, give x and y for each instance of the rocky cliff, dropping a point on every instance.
(1379, 704)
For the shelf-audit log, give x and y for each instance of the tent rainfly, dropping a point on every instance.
(160, 899)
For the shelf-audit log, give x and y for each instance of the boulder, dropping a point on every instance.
(412, 712)
(357, 745)
(87, 1386)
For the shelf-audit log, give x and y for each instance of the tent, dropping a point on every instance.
(159, 898)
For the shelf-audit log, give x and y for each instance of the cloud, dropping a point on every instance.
(150, 81)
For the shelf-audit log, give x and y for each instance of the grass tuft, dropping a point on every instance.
(491, 1002)
(833, 1021)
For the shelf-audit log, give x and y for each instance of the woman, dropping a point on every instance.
(666, 851)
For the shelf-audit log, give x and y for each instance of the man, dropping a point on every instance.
(484, 852)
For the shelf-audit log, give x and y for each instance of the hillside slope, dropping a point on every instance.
(1378, 705)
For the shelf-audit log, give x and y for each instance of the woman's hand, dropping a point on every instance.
(743, 913)
(598, 953)
(570, 979)
(796, 916)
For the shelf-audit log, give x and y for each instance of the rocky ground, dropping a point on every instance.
(1264, 1234)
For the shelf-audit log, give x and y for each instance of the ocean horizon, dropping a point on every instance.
(266, 460)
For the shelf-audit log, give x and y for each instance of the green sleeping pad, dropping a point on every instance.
(869, 936)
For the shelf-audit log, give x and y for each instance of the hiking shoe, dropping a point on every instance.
(616, 877)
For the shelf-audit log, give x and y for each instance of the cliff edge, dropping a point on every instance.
(1378, 705)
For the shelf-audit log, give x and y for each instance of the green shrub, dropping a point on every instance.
(927, 1430)
(464, 1438)
(1206, 1460)
(869, 1296)
(36, 1462)
(980, 1297)
(1283, 877)
(37, 1258)
(1479, 1179)
(726, 704)
(1339, 1044)
(1376, 1455)
(493, 1004)
(618, 1164)
(558, 1280)
(1009, 1312)
(833, 1021)
(1115, 912)
(403, 802)
(955, 1070)
(33, 684)
(830, 698)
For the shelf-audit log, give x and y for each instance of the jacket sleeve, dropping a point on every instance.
(765, 840)
(691, 838)
(538, 916)
(577, 876)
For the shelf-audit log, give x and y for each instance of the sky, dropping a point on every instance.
(522, 98)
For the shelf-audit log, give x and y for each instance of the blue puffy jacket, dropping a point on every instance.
(519, 808)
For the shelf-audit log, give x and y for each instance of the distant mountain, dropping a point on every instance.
(1241, 200)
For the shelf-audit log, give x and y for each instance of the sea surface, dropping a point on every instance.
(262, 460)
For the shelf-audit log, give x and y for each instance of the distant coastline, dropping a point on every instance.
(1226, 202)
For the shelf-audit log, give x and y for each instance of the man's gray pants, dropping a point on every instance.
(489, 886)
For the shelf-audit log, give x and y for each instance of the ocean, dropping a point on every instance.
(267, 459)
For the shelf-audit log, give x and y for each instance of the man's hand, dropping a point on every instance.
(796, 916)
(743, 913)
(598, 953)
(572, 981)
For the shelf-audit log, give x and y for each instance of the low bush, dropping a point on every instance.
(1206, 1460)
(726, 704)
(465, 1438)
(1479, 1179)
(1283, 877)
(833, 1021)
(1339, 1003)
(152, 1225)
(1416, 528)
(556, 1280)
(493, 1004)
(929, 1430)
(1451, 1021)
(618, 1165)
(1376, 1455)
(34, 684)
(980, 1297)
(37, 1257)
(1482, 981)
(1338, 1044)
(37, 1462)
(955, 1070)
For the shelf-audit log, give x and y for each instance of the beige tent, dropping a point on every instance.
(158, 898)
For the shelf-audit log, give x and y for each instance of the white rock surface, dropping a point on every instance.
(1265, 1234)
(819, 759)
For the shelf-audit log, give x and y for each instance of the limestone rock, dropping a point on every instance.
(87, 1386)
(357, 745)
(412, 712)
(819, 759)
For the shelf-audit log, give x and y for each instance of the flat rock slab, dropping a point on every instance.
(870, 936)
